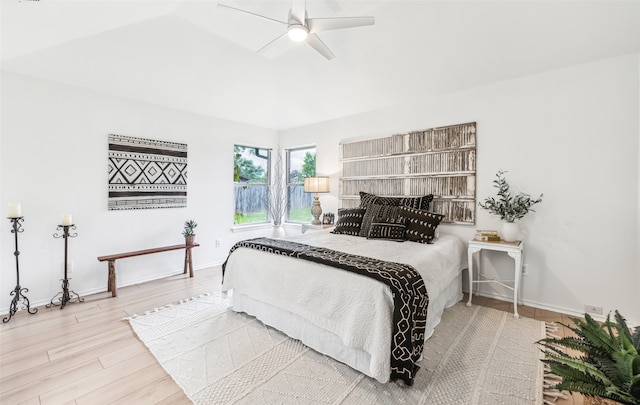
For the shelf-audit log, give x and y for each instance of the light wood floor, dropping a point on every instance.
(87, 354)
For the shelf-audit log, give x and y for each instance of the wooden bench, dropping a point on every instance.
(111, 282)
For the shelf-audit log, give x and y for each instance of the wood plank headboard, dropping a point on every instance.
(439, 161)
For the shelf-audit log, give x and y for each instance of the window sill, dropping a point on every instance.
(264, 225)
(251, 227)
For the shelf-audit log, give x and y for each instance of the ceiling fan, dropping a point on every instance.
(300, 28)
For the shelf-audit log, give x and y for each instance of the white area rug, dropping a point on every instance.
(476, 356)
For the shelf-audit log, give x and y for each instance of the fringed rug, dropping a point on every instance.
(477, 355)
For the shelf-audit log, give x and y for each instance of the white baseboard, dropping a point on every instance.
(103, 289)
(535, 304)
(156, 277)
(540, 305)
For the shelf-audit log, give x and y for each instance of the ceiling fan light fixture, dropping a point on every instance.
(298, 32)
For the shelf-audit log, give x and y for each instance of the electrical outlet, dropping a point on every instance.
(525, 269)
(592, 309)
(70, 267)
(218, 242)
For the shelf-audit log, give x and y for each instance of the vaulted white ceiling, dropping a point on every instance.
(194, 56)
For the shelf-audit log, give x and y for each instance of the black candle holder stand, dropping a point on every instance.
(19, 301)
(65, 296)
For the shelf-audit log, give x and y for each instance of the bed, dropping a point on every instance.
(343, 315)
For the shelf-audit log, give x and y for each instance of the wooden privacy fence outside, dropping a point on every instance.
(251, 197)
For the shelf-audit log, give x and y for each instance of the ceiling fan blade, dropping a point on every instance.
(254, 14)
(330, 24)
(270, 45)
(298, 10)
(315, 42)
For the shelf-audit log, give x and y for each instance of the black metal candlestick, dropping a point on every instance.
(19, 301)
(65, 295)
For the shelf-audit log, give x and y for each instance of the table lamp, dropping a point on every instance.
(319, 184)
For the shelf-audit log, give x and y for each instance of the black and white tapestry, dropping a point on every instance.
(145, 173)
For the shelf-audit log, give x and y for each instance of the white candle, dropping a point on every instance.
(67, 220)
(15, 210)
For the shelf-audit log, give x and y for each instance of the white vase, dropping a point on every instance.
(278, 231)
(510, 231)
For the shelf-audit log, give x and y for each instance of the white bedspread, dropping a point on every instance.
(356, 308)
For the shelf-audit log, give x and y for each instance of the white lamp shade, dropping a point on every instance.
(318, 184)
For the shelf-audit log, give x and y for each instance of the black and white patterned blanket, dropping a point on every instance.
(410, 297)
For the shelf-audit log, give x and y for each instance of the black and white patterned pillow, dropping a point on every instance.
(349, 221)
(421, 203)
(421, 224)
(367, 199)
(378, 213)
(388, 231)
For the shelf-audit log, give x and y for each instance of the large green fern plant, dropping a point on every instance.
(609, 366)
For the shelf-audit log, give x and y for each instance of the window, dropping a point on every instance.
(301, 163)
(251, 179)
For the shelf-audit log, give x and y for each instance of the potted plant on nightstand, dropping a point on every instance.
(607, 370)
(189, 235)
(509, 207)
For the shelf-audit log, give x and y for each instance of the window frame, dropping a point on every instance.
(288, 184)
(264, 185)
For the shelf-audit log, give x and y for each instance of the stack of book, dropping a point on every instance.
(487, 236)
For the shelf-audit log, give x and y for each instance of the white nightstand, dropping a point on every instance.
(513, 249)
(310, 227)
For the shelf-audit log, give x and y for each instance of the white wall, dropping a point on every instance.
(572, 134)
(638, 205)
(54, 161)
